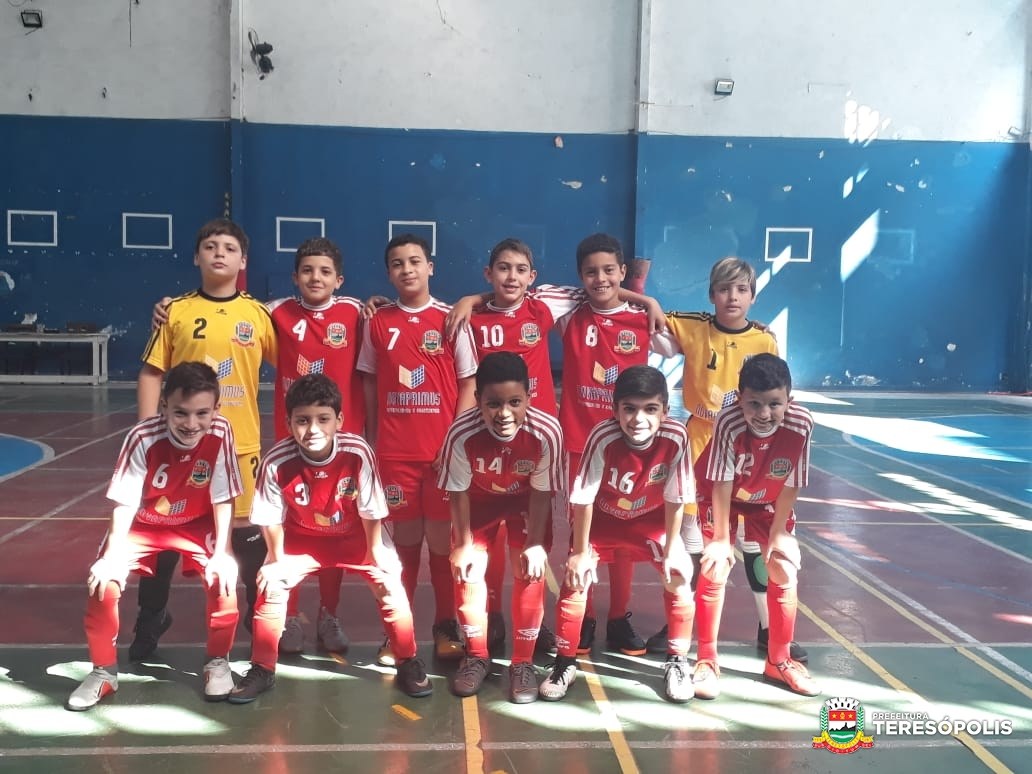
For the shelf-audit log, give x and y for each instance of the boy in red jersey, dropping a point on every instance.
(502, 464)
(320, 504)
(416, 380)
(754, 466)
(173, 489)
(630, 491)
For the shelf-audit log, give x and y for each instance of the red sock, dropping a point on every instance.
(528, 608)
(329, 588)
(101, 624)
(410, 557)
(495, 577)
(293, 606)
(444, 587)
(680, 614)
(621, 572)
(223, 616)
(709, 604)
(396, 614)
(569, 614)
(269, 616)
(781, 606)
(472, 614)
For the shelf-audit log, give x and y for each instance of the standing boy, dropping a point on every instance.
(320, 504)
(416, 380)
(232, 332)
(630, 490)
(173, 490)
(753, 467)
(502, 465)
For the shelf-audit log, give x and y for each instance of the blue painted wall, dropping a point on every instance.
(682, 201)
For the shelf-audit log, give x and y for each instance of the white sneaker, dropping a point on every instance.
(329, 632)
(98, 684)
(677, 683)
(218, 680)
(293, 638)
(564, 672)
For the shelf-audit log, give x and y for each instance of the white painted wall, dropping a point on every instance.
(155, 58)
(937, 69)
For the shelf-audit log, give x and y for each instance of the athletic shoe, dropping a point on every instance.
(545, 645)
(98, 684)
(412, 679)
(658, 642)
(293, 638)
(149, 628)
(796, 652)
(255, 682)
(385, 654)
(218, 680)
(677, 685)
(706, 679)
(791, 675)
(523, 684)
(447, 641)
(329, 633)
(470, 675)
(620, 635)
(564, 672)
(587, 636)
(495, 634)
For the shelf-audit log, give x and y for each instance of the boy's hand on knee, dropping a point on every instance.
(104, 571)
(466, 563)
(717, 560)
(223, 567)
(534, 560)
(581, 571)
(272, 574)
(785, 545)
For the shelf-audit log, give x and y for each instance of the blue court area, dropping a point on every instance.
(18, 453)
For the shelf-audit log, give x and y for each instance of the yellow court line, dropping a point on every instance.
(991, 761)
(472, 737)
(610, 720)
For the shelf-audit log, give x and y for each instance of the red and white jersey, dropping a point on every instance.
(523, 329)
(322, 340)
(478, 461)
(625, 481)
(598, 345)
(170, 484)
(417, 370)
(327, 497)
(760, 467)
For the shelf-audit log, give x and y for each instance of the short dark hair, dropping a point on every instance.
(599, 243)
(222, 226)
(641, 381)
(406, 239)
(191, 377)
(514, 245)
(764, 372)
(320, 246)
(501, 367)
(313, 390)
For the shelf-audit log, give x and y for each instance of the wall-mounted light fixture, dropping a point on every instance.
(724, 87)
(260, 54)
(32, 20)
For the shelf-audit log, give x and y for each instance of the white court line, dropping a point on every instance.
(65, 453)
(54, 511)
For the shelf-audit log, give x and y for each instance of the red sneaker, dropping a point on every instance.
(791, 675)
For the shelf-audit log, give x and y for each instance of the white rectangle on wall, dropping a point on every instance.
(305, 229)
(141, 218)
(417, 227)
(13, 220)
(797, 241)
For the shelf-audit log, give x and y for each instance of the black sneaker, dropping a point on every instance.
(795, 651)
(658, 642)
(545, 645)
(256, 682)
(448, 644)
(470, 675)
(149, 628)
(412, 679)
(587, 636)
(620, 635)
(495, 634)
(523, 684)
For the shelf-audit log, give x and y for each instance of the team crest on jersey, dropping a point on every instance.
(346, 488)
(659, 473)
(412, 379)
(780, 467)
(626, 342)
(201, 473)
(523, 467)
(432, 342)
(336, 335)
(395, 496)
(305, 367)
(530, 334)
(244, 334)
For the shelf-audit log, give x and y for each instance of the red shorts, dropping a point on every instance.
(193, 540)
(640, 539)
(757, 517)
(307, 553)
(486, 517)
(411, 491)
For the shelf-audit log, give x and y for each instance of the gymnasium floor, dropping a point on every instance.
(917, 548)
